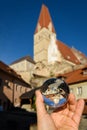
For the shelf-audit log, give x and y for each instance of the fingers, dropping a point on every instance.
(72, 103)
(76, 108)
(40, 104)
(79, 111)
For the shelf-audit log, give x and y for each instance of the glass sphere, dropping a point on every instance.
(55, 92)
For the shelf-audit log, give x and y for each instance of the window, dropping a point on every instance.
(84, 71)
(79, 90)
(71, 90)
(16, 86)
(68, 57)
(85, 103)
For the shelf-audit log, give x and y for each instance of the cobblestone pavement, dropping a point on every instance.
(83, 124)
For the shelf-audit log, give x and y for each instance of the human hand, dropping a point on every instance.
(65, 119)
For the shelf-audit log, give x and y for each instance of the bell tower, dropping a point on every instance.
(42, 36)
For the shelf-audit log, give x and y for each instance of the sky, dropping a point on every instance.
(18, 20)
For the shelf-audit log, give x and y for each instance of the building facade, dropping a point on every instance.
(11, 87)
(51, 56)
(50, 51)
(77, 81)
(24, 66)
(47, 48)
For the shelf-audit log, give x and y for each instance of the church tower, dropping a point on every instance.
(43, 35)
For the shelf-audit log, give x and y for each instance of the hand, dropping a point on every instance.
(65, 119)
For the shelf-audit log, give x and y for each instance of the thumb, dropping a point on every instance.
(40, 107)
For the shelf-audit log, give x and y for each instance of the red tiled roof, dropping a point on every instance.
(44, 18)
(67, 52)
(76, 76)
(7, 69)
(79, 52)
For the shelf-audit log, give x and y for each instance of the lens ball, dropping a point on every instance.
(55, 92)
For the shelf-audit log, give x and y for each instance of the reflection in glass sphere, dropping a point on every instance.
(55, 92)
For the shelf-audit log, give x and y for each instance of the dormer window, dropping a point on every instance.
(68, 57)
(84, 72)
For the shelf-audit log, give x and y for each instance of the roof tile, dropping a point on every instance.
(67, 52)
(44, 19)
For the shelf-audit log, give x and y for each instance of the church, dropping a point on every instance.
(47, 49)
(51, 56)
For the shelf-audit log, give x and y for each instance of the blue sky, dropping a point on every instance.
(18, 19)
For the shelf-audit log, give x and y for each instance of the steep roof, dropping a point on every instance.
(6, 69)
(28, 58)
(44, 19)
(81, 55)
(67, 52)
(76, 76)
